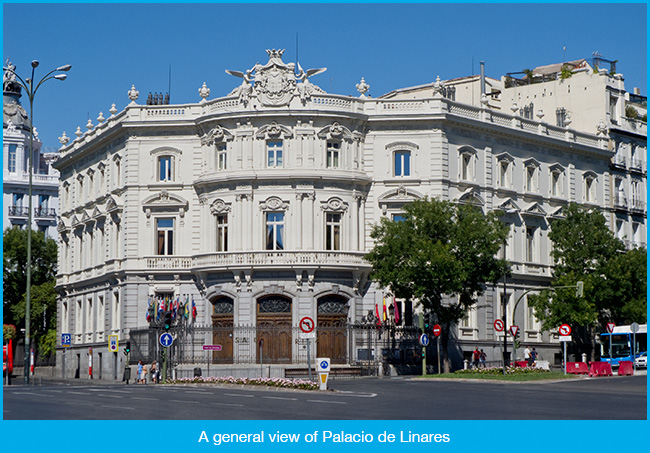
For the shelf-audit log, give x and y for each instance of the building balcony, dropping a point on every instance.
(18, 211)
(620, 203)
(636, 165)
(637, 206)
(48, 213)
(619, 162)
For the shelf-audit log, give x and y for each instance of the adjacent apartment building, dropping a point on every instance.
(247, 216)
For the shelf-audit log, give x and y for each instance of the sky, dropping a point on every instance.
(114, 46)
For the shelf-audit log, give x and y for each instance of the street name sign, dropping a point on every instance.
(212, 347)
(565, 338)
(307, 335)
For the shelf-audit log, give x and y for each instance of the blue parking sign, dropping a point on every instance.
(66, 340)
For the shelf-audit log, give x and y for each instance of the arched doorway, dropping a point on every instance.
(332, 319)
(222, 329)
(274, 329)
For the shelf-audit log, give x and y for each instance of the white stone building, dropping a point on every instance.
(257, 206)
(15, 169)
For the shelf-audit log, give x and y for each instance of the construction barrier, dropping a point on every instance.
(600, 369)
(577, 368)
(521, 364)
(625, 368)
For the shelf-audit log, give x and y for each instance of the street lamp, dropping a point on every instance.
(30, 89)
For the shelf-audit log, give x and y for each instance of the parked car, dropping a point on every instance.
(642, 361)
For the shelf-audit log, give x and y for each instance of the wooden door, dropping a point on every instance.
(331, 327)
(274, 329)
(222, 329)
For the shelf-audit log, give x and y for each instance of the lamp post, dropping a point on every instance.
(30, 88)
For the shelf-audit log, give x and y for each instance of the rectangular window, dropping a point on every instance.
(503, 173)
(398, 217)
(333, 231)
(590, 189)
(465, 167)
(274, 153)
(116, 318)
(78, 324)
(555, 183)
(333, 151)
(530, 179)
(530, 244)
(165, 168)
(89, 316)
(18, 200)
(165, 236)
(275, 231)
(560, 117)
(221, 156)
(11, 164)
(222, 233)
(402, 163)
(99, 327)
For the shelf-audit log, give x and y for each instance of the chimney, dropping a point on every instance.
(637, 91)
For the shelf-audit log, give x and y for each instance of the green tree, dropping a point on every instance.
(43, 296)
(584, 249)
(442, 255)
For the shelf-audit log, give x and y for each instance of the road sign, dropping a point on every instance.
(565, 338)
(437, 330)
(610, 327)
(634, 327)
(66, 340)
(166, 339)
(513, 330)
(113, 344)
(306, 324)
(498, 325)
(307, 335)
(323, 365)
(424, 339)
(564, 330)
(212, 347)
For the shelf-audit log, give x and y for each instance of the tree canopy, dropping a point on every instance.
(43, 278)
(441, 254)
(585, 249)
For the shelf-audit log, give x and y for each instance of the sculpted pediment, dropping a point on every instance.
(509, 205)
(165, 201)
(217, 134)
(273, 130)
(535, 209)
(471, 196)
(335, 131)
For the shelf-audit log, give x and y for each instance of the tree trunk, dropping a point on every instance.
(444, 340)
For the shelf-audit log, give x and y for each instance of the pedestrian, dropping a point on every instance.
(144, 373)
(154, 372)
(533, 356)
(527, 356)
(139, 379)
(477, 357)
(483, 359)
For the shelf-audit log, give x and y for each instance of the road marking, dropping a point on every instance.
(110, 396)
(109, 390)
(79, 393)
(55, 391)
(72, 403)
(359, 395)
(183, 401)
(239, 394)
(280, 398)
(198, 392)
(118, 407)
(143, 398)
(227, 404)
(330, 402)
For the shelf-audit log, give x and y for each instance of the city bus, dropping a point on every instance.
(622, 339)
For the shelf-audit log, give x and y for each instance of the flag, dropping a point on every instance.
(377, 313)
(161, 308)
(397, 314)
(193, 309)
(174, 308)
(187, 307)
(384, 315)
(148, 315)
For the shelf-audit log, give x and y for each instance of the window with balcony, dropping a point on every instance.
(274, 153)
(166, 168)
(11, 158)
(402, 163)
(222, 156)
(222, 233)
(275, 231)
(165, 236)
(333, 231)
(333, 154)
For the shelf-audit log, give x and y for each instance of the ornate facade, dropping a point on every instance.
(257, 208)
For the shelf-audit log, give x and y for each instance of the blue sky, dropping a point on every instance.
(112, 46)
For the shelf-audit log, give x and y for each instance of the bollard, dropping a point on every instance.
(465, 364)
(584, 357)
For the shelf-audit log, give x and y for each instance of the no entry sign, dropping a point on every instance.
(437, 330)
(306, 324)
(565, 330)
(498, 325)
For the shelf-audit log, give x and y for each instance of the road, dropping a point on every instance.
(615, 398)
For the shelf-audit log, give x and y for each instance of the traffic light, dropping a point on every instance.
(427, 322)
(127, 349)
(168, 321)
